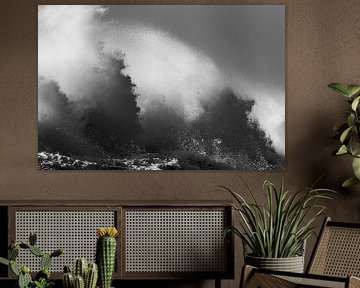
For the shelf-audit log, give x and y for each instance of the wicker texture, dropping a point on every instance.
(255, 280)
(313, 282)
(175, 241)
(336, 257)
(338, 252)
(267, 281)
(75, 231)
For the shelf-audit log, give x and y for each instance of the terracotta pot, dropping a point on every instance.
(291, 264)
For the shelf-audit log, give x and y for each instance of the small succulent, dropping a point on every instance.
(42, 278)
(42, 283)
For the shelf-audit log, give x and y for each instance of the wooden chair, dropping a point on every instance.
(334, 263)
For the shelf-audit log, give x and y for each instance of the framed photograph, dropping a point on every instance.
(161, 87)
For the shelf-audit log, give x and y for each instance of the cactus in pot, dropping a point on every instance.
(106, 254)
(85, 275)
(42, 278)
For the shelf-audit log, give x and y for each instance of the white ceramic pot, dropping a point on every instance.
(291, 264)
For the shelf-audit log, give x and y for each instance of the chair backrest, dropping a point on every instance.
(337, 251)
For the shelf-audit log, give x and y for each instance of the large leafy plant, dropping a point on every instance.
(348, 132)
(279, 229)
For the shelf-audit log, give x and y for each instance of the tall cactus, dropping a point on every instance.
(106, 254)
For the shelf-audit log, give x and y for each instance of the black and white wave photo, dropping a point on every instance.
(161, 87)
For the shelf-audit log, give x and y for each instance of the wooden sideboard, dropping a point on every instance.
(157, 240)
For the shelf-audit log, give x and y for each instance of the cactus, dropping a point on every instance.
(24, 278)
(106, 254)
(36, 251)
(91, 276)
(79, 282)
(45, 261)
(80, 267)
(89, 272)
(13, 253)
(25, 269)
(24, 245)
(68, 280)
(57, 253)
(32, 238)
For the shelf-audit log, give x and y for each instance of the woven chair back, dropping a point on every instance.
(337, 252)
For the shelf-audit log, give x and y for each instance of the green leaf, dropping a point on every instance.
(356, 167)
(4, 261)
(342, 150)
(355, 103)
(351, 120)
(349, 182)
(345, 134)
(354, 145)
(353, 89)
(280, 227)
(14, 268)
(350, 148)
(340, 88)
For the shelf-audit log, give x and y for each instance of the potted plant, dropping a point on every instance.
(84, 274)
(42, 278)
(87, 274)
(276, 233)
(348, 132)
